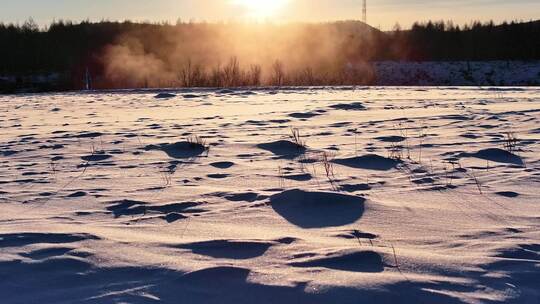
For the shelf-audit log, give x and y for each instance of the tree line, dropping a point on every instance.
(444, 41)
(128, 54)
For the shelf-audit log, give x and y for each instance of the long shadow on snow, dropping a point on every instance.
(369, 162)
(228, 249)
(317, 209)
(70, 280)
(283, 149)
(171, 212)
(23, 239)
(496, 155)
(179, 150)
(360, 261)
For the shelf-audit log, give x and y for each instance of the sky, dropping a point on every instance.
(383, 14)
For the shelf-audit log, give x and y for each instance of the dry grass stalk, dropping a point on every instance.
(297, 138)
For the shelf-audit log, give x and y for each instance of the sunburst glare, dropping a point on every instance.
(261, 9)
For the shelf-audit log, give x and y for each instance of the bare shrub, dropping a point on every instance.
(196, 142)
(192, 75)
(476, 181)
(511, 142)
(216, 77)
(396, 151)
(281, 177)
(166, 177)
(231, 73)
(278, 74)
(328, 165)
(254, 75)
(297, 138)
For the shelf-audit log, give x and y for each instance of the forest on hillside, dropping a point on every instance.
(135, 55)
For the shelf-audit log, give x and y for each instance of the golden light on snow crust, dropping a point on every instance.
(260, 9)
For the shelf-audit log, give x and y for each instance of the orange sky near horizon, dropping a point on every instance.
(383, 14)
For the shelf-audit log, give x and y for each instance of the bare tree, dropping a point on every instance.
(307, 77)
(192, 75)
(278, 74)
(254, 75)
(231, 73)
(216, 77)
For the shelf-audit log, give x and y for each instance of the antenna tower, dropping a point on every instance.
(364, 12)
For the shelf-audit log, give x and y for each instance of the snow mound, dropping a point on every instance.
(179, 150)
(359, 261)
(496, 155)
(229, 249)
(353, 106)
(283, 148)
(369, 162)
(164, 96)
(96, 157)
(317, 209)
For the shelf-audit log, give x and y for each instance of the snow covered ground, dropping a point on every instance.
(458, 73)
(401, 195)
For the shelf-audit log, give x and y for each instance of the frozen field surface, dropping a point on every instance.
(400, 195)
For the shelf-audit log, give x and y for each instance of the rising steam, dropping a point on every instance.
(239, 54)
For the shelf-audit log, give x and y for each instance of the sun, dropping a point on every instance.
(260, 9)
